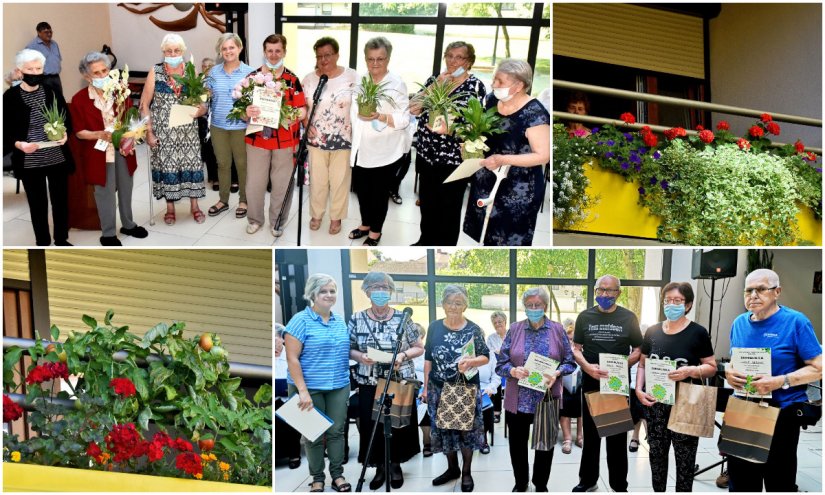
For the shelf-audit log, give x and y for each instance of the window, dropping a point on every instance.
(408, 261)
(300, 58)
(556, 263)
(409, 41)
(485, 299)
(473, 262)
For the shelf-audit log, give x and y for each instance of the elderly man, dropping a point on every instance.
(44, 44)
(604, 328)
(579, 104)
(796, 360)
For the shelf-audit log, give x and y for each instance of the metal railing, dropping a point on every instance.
(679, 102)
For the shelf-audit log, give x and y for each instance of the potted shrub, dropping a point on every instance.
(478, 124)
(439, 102)
(55, 125)
(370, 94)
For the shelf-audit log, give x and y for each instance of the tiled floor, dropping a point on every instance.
(493, 472)
(400, 229)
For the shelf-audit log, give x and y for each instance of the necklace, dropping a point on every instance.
(381, 316)
(670, 330)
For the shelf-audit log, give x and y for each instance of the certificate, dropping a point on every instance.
(751, 361)
(469, 350)
(379, 356)
(618, 381)
(656, 381)
(181, 115)
(269, 102)
(537, 365)
(311, 424)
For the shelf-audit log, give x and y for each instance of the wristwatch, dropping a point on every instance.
(786, 384)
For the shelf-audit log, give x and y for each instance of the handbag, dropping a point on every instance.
(402, 404)
(747, 431)
(545, 424)
(457, 406)
(694, 412)
(610, 412)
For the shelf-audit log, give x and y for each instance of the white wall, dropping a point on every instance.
(769, 57)
(261, 23)
(328, 261)
(796, 269)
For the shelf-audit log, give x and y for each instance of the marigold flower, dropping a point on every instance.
(224, 466)
(15, 456)
(628, 118)
(205, 457)
(773, 128)
(123, 387)
(198, 476)
(212, 457)
(706, 136)
(756, 131)
(11, 411)
(226, 476)
(723, 126)
(766, 117)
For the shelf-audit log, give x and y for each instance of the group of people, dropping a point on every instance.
(319, 344)
(367, 153)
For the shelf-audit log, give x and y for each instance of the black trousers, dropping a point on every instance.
(402, 166)
(519, 428)
(497, 400)
(372, 185)
(35, 183)
(591, 451)
(779, 473)
(440, 204)
(287, 438)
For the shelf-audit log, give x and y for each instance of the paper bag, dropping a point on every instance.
(748, 429)
(610, 412)
(694, 412)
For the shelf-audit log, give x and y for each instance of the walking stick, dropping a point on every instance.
(501, 174)
(151, 198)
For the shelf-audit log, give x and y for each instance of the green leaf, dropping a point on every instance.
(264, 394)
(170, 392)
(144, 417)
(138, 377)
(11, 358)
(158, 375)
(263, 435)
(91, 322)
(108, 318)
(159, 331)
(55, 333)
(229, 444)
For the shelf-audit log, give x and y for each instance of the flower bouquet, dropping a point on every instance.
(265, 91)
(370, 94)
(55, 126)
(437, 99)
(129, 129)
(478, 124)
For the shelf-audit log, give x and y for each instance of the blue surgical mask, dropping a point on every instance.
(16, 83)
(377, 125)
(380, 297)
(99, 82)
(275, 66)
(674, 311)
(605, 302)
(534, 315)
(173, 61)
(458, 72)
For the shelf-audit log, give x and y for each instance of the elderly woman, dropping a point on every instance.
(269, 152)
(177, 169)
(108, 169)
(380, 142)
(228, 135)
(22, 130)
(546, 338)
(316, 343)
(579, 104)
(571, 403)
(443, 362)
(525, 146)
(376, 327)
(494, 341)
(438, 153)
(330, 136)
(686, 343)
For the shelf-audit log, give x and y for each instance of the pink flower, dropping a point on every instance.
(245, 83)
(267, 76)
(236, 94)
(238, 87)
(270, 84)
(259, 78)
(580, 133)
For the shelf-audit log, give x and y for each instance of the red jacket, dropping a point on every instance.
(87, 117)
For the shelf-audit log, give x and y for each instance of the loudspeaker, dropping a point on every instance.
(714, 263)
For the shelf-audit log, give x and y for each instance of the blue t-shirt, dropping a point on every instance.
(325, 356)
(792, 341)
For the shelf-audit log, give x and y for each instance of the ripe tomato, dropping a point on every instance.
(206, 342)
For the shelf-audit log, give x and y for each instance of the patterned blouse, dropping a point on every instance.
(365, 332)
(443, 349)
(332, 118)
(442, 149)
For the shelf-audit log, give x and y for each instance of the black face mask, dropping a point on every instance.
(33, 79)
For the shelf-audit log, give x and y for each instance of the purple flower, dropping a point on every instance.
(642, 191)
(609, 154)
(638, 168)
(642, 150)
(653, 180)
(594, 130)
(664, 184)
(600, 143)
(628, 136)
(610, 142)
(819, 169)
(657, 155)
(635, 158)
(625, 165)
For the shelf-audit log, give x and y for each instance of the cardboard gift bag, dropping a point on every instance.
(748, 429)
(402, 404)
(610, 412)
(694, 412)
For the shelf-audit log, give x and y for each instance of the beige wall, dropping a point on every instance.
(78, 28)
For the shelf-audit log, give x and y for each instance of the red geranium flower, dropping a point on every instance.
(46, 372)
(155, 451)
(628, 118)
(700, 128)
(189, 462)
(723, 126)
(93, 451)
(11, 411)
(706, 136)
(743, 144)
(123, 387)
(756, 131)
(773, 128)
(811, 156)
(799, 146)
(645, 130)
(58, 370)
(650, 139)
(125, 442)
(766, 117)
(163, 439)
(182, 445)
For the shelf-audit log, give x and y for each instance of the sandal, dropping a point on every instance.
(215, 210)
(580, 442)
(396, 198)
(334, 228)
(314, 223)
(634, 446)
(369, 241)
(566, 447)
(169, 218)
(341, 487)
(314, 486)
(240, 212)
(198, 216)
(358, 233)
(428, 451)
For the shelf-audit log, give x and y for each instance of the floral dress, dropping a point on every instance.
(516, 207)
(177, 169)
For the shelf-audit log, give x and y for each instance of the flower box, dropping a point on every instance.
(33, 477)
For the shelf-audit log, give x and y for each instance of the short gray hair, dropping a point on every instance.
(541, 292)
(772, 276)
(375, 278)
(28, 55)
(606, 276)
(377, 43)
(226, 37)
(172, 39)
(92, 58)
(519, 69)
(498, 314)
(454, 290)
(314, 284)
(567, 322)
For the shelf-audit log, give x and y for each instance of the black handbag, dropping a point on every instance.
(809, 414)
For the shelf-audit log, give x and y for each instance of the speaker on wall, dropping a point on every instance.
(714, 263)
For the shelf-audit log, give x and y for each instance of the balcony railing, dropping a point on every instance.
(679, 102)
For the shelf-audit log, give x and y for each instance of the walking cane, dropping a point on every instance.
(501, 174)
(149, 172)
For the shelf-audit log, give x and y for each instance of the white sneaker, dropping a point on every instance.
(252, 228)
(276, 232)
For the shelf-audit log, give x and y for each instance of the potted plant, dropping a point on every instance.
(192, 85)
(439, 102)
(477, 126)
(370, 94)
(55, 125)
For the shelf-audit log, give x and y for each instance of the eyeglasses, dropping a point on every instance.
(173, 51)
(460, 58)
(378, 287)
(325, 56)
(601, 291)
(758, 290)
(534, 306)
(454, 304)
(674, 301)
(379, 60)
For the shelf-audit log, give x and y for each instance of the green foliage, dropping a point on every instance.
(477, 125)
(55, 126)
(439, 101)
(570, 199)
(193, 88)
(398, 9)
(371, 94)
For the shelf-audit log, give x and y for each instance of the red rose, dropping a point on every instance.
(723, 126)
(756, 131)
(628, 118)
(743, 144)
(11, 411)
(650, 140)
(766, 117)
(773, 128)
(123, 387)
(706, 136)
(799, 146)
(189, 462)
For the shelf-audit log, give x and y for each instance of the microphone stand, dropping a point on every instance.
(385, 403)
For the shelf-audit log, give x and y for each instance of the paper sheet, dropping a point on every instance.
(379, 356)
(466, 169)
(252, 129)
(751, 361)
(469, 350)
(619, 380)
(311, 424)
(181, 115)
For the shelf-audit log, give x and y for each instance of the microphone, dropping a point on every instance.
(320, 88)
(404, 317)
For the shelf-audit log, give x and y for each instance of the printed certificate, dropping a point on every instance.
(270, 105)
(751, 361)
(618, 383)
(657, 383)
(537, 365)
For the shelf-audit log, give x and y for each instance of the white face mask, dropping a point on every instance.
(274, 66)
(502, 94)
(16, 83)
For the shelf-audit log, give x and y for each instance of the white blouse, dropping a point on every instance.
(376, 144)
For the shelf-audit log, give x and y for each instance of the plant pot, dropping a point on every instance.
(33, 477)
(468, 155)
(367, 109)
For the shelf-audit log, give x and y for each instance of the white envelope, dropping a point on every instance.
(181, 115)
(311, 424)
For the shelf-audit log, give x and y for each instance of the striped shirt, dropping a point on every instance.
(222, 85)
(43, 157)
(325, 355)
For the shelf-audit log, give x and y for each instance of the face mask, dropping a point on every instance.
(33, 79)
(173, 61)
(674, 311)
(377, 125)
(458, 72)
(605, 302)
(502, 94)
(276, 66)
(99, 82)
(535, 315)
(16, 83)
(380, 297)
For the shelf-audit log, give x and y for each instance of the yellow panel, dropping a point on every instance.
(16, 264)
(810, 229)
(228, 292)
(630, 36)
(34, 478)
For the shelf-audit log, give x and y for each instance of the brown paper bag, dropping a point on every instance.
(402, 403)
(610, 412)
(748, 429)
(694, 411)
